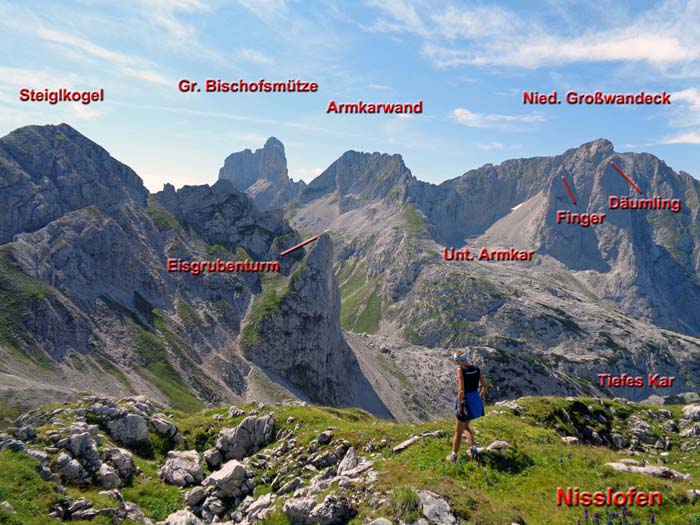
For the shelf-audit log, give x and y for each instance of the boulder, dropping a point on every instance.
(325, 437)
(107, 477)
(260, 507)
(182, 468)
(291, 486)
(691, 432)
(162, 427)
(183, 517)
(195, 496)
(213, 458)
(322, 480)
(83, 448)
(323, 459)
(334, 510)
(70, 470)
(620, 441)
(498, 445)
(691, 412)
(299, 509)
(435, 509)
(352, 464)
(212, 506)
(130, 430)
(670, 426)
(252, 434)
(228, 481)
(24, 433)
(641, 430)
(234, 411)
(123, 461)
(656, 471)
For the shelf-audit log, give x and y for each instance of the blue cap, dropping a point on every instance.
(459, 357)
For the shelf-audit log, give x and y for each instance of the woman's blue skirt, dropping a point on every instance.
(472, 407)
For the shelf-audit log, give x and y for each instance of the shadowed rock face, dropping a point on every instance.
(47, 171)
(302, 341)
(262, 175)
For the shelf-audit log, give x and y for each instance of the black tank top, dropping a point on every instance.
(470, 378)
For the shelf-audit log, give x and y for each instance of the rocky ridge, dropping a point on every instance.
(598, 299)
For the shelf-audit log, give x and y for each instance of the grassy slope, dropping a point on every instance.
(518, 484)
(361, 309)
(18, 291)
(158, 371)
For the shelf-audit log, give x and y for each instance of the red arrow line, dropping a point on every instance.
(301, 244)
(626, 177)
(569, 190)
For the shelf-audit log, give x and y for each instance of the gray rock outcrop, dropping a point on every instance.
(436, 509)
(262, 175)
(230, 481)
(252, 434)
(182, 468)
(130, 430)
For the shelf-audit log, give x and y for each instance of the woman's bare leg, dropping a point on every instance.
(468, 434)
(459, 428)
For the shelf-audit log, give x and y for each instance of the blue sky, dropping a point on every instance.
(469, 63)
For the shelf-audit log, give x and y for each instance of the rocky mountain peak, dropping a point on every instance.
(358, 177)
(262, 175)
(596, 149)
(273, 142)
(47, 171)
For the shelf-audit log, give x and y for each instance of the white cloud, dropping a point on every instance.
(265, 9)
(691, 96)
(84, 112)
(380, 87)
(549, 51)
(24, 21)
(659, 49)
(685, 108)
(492, 120)
(164, 14)
(477, 22)
(692, 137)
(251, 55)
(399, 16)
(665, 36)
(16, 77)
(491, 145)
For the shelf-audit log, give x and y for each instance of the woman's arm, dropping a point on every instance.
(484, 385)
(460, 390)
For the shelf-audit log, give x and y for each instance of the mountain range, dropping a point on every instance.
(366, 316)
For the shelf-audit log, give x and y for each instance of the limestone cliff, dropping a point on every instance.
(262, 175)
(297, 335)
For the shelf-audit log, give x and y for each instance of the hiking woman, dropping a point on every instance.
(469, 404)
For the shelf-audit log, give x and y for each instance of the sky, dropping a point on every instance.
(468, 62)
